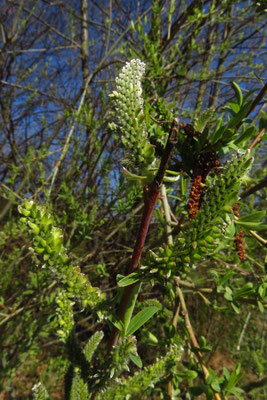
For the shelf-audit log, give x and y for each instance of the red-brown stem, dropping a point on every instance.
(257, 138)
(150, 197)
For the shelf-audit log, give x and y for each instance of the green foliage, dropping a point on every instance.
(65, 315)
(200, 237)
(48, 244)
(142, 382)
(194, 248)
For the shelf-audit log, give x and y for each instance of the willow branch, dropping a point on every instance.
(253, 189)
(151, 195)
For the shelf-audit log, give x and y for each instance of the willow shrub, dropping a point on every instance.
(209, 160)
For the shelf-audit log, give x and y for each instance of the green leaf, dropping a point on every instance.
(211, 377)
(256, 216)
(260, 306)
(116, 322)
(244, 291)
(238, 93)
(40, 392)
(140, 319)
(217, 134)
(216, 386)
(230, 231)
(235, 376)
(151, 338)
(228, 294)
(239, 116)
(262, 290)
(34, 227)
(249, 133)
(234, 106)
(226, 373)
(130, 307)
(255, 226)
(79, 388)
(235, 307)
(129, 279)
(136, 360)
(183, 185)
(187, 374)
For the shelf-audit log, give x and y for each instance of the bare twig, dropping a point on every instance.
(192, 335)
(258, 238)
(255, 188)
(167, 215)
(257, 139)
(243, 271)
(66, 145)
(243, 331)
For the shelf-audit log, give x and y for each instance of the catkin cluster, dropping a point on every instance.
(198, 237)
(128, 116)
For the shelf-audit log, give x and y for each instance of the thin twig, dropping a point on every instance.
(257, 139)
(258, 238)
(192, 335)
(243, 271)
(66, 145)
(243, 331)
(255, 188)
(167, 215)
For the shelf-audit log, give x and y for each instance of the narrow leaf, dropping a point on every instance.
(234, 106)
(140, 319)
(136, 360)
(249, 133)
(130, 307)
(129, 279)
(116, 322)
(187, 374)
(234, 378)
(254, 217)
(239, 116)
(255, 226)
(238, 93)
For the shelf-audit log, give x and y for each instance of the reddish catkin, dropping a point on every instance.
(195, 196)
(204, 164)
(239, 242)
